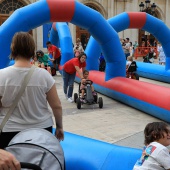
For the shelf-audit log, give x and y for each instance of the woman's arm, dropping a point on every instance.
(55, 104)
(79, 72)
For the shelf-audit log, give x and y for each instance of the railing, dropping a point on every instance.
(144, 51)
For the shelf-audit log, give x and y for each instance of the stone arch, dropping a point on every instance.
(159, 13)
(83, 34)
(8, 6)
(97, 5)
(145, 35)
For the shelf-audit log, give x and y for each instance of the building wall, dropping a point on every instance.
(110, 8)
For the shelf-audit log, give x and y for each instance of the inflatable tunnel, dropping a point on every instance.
(140, 95)
(116, 85)
(65, 11)
(89, 154)
(61, 32)
(139, 20)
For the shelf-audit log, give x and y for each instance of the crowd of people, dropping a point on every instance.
(149, 51)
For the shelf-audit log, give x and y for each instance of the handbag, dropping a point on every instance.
(22, 89)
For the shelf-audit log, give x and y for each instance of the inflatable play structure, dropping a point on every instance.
(134, 93)
(79, 151)
(148, 23)
(89, 154)
(60, 34)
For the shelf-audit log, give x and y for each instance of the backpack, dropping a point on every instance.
(132, 67)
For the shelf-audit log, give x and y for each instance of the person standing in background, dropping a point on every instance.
(161, 54)
(127, 48)
(55, 53)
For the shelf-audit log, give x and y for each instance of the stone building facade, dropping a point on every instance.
(108, 8)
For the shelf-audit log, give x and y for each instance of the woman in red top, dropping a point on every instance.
(69, 73)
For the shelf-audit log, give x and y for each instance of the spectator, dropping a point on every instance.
(76, 52)
(79, 47)
(55, 52)
(127, 48)
(161, 54)
(131, 50)
(102, 63)
(42, 58)
(32, 110)
(69, 72)
(135, 45)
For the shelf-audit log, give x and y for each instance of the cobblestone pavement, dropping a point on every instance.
(115, 123)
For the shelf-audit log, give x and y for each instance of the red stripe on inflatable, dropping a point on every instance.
(150, 93)
(137, 19)
(61, 10)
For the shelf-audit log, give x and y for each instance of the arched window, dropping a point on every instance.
(8, 6)
(92, 7)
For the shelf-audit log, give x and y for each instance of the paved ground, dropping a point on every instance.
(116, 123)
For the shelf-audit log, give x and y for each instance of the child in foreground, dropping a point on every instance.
(155, 155)
(83, 86)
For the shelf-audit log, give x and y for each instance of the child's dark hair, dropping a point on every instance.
(85, 71)
(48, 42)
(154, 131)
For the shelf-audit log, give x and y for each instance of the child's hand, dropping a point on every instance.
(83, 81)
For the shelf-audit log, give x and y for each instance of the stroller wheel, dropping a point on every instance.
(75, 97)
(100, 102)
(78, 101)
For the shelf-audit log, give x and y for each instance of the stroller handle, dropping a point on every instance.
(30, 166)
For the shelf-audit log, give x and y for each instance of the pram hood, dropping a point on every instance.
(38, 146)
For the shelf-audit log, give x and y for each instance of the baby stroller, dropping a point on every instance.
(89, 97)
(37, 149)
(131, 71)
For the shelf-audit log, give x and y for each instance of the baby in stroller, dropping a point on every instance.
(83, 85)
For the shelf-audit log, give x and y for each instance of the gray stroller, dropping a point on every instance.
(37, 149)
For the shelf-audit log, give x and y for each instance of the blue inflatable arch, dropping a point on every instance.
(61, 32)
(146, 22)
(69, 11)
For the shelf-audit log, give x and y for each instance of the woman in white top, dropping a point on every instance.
(32, 109)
